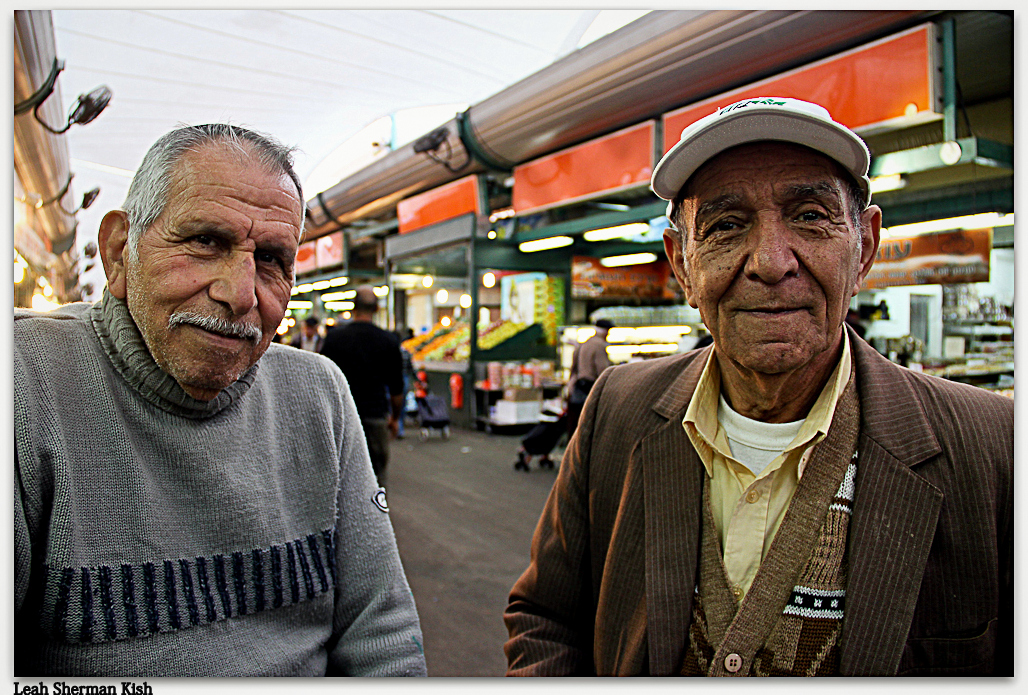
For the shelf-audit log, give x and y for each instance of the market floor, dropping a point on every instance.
(463, 519)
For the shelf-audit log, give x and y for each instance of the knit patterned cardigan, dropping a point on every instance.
(160, 535)
(790, 622)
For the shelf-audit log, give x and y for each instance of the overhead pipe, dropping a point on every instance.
(41, 160)
(663, 60)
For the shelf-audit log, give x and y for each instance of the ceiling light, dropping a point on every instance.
(628, 259)
(465, 300)
(553, 242)
(303, 289)
(979, 221)
(320, 285)
(427, 281)
(381, 290)
(339, 281)
(339, 306)
(489, 280)
(888, 182)
(441, 296)
(300, 304)
(626, 350)
(338, 296)
(950, 153)
(445, 321)
(621, 231)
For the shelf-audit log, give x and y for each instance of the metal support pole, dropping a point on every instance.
(949, 80)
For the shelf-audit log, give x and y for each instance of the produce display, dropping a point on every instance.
(453, 343)
(496, 332)
(441, 343)
(549, 296)
(412, 345)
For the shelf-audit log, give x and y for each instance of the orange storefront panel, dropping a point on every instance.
(591, 280)
(439, 204)
(329, 250)
(932, 259)
(306, 257)
(869, 86)
(616, 161)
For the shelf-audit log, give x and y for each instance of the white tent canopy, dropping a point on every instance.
(343, 86)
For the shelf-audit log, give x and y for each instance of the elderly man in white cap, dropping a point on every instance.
(785, 501)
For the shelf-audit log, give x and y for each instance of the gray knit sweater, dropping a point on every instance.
(159, 535)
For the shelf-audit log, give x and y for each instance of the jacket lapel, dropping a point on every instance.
(673, 487)
(894, 516)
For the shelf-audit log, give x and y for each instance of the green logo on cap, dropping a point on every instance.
(749, 102)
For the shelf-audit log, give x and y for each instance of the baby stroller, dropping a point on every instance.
(541, 439)
(433, 415)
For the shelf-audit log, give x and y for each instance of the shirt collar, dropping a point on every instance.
(701, 424)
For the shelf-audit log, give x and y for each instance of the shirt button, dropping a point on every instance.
(733, 662)
(752, 496)
(737, 590)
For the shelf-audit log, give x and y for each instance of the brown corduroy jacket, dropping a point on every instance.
(614, 559)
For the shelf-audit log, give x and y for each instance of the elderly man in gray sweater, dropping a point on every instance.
(191, 499)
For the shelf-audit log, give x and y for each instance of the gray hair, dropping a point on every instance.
(148, 192)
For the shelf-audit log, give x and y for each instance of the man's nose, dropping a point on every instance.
(771, 255)
(236, 283)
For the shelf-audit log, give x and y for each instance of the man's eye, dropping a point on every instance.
(204, 240)
(721, 226)
(268, 257)
(812, 216)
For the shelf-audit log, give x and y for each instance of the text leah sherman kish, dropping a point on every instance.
(62, 688)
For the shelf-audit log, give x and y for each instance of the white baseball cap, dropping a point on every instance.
(753, 120)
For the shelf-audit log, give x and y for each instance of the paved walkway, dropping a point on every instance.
(463, 519)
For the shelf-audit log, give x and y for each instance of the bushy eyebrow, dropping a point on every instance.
(820, 190)
(728, 201)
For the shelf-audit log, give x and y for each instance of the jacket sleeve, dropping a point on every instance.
(551, 609)
(376, 631)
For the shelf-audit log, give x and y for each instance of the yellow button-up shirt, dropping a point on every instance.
(748, 508)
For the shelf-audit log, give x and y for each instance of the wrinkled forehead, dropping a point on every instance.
(235, 167)
(756, 156)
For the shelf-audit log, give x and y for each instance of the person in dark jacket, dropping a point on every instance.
(370, 359)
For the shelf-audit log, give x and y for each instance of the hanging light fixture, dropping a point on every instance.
(86, 107)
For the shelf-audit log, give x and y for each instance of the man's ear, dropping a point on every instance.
(871, 223)
(674, 247)
(113, 241)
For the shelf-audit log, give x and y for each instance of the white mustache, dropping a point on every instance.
(247, 331)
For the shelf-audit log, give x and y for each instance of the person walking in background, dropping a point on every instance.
(408, 379)
(309, 338)
(587, 363)
(370, 359)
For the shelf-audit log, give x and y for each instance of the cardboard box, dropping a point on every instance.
(515, 412)
(522, 395)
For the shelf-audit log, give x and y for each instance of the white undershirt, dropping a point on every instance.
(755, 444)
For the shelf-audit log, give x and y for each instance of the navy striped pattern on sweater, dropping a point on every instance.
(104, 604)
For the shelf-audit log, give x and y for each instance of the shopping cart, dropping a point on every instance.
(433, 415)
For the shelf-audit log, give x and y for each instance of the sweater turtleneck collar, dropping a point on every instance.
(124, 345)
